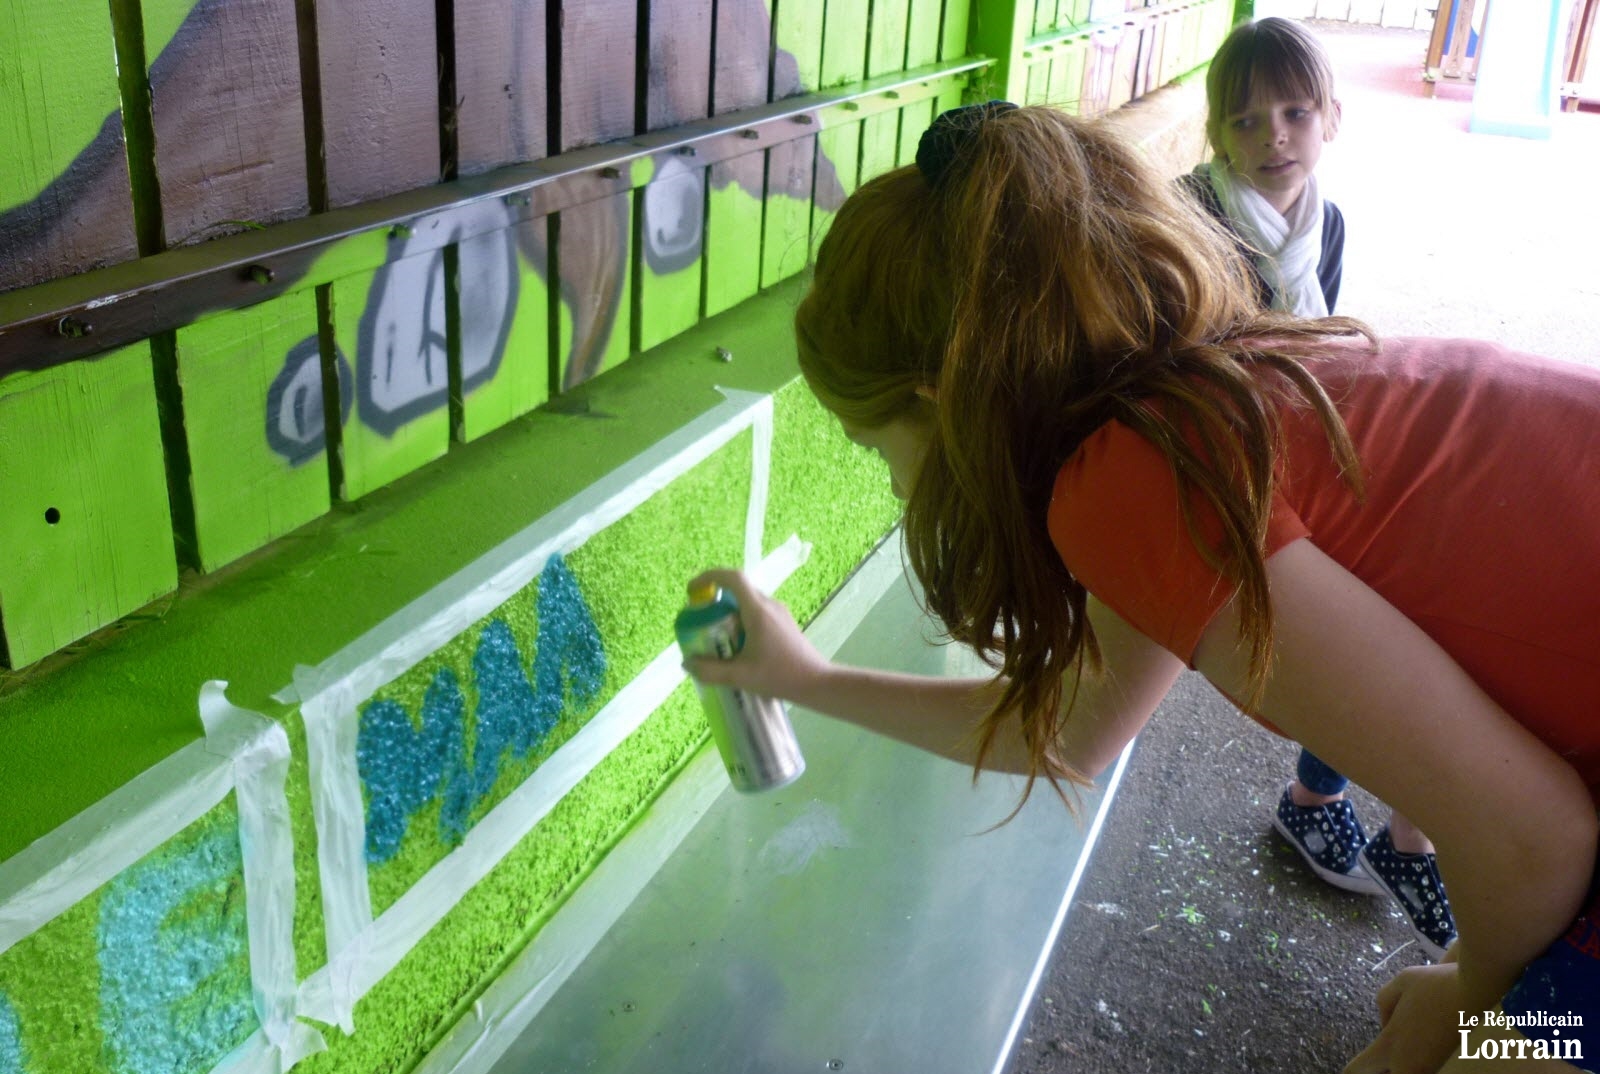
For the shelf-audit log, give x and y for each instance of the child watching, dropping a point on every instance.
(1270, 110)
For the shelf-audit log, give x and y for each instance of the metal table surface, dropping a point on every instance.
(862, 919)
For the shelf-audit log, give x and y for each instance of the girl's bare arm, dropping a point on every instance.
(941, 714)
(1366, 690)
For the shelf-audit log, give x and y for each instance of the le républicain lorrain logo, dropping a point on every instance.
(1522, 1048)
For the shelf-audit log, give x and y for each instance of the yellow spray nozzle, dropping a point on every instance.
(703, 593)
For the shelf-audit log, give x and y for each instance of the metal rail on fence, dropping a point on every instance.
(79, 316)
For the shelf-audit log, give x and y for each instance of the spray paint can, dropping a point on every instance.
(752, 733)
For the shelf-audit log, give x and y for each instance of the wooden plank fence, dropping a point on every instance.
(352, 236)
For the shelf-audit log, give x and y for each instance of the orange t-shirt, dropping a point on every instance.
(1481, 521)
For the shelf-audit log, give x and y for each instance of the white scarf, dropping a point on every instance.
(1290, 248)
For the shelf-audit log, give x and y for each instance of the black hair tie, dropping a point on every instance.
(951, 136)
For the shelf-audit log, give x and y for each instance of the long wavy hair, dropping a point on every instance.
(1050, 282)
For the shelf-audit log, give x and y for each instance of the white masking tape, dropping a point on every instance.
(258, 749)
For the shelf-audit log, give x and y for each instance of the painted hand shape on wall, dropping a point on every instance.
(403, 345)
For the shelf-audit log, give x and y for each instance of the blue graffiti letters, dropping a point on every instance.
(174, 967)
(402, 766)
(405, 766)
(11, 1054)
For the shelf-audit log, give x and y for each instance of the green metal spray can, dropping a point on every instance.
(752, 733)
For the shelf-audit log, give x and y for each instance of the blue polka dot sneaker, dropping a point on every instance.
(1413, 881)
(1329, 837)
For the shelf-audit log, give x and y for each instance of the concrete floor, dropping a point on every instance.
(1197, 940)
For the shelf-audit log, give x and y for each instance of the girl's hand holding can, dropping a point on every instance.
(776, 661)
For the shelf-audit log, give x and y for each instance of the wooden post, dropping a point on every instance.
(379, 98)
(228, 118)
(670, 210)
(500, 112)
(597, 65)
(65, 205)
(241, 372)
(500, 116)
(999, 28)
(84, 517)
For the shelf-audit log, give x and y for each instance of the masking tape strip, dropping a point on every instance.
(338, 809)
(330, 994)
(258, 749)
(760, 480)
(514, 998)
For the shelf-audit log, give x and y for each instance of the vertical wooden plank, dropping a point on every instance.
(914, 119)
(226, 110)
(797, 68)
(1098, 60)
(922, 35)
(380, 98)
(1367, 11)
(734, 200)
(949, 97)
(1194, 19)
(786, 230)
(953, 37)
(733, 231)
(498, 386)
(501, 96)
(844, 42)
(1217, 21)
(250, 487)
(1147, 67)
(1066, 75)
(841, 147)
(880, 140)
(678, 67)
(671, 234)
(1399, 13)
(1124, 65)
(1044, 16)
(595, 274)
(670, 212)
(741, 57)
(1038, 90)
(886, 37)
(1173, 53)
(392, 321)
(503, 331)
(65, 205)
(597, 70)
(84, 520)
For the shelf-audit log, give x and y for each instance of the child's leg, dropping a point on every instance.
(1316, 783)
(1316, 820)
(1407, 837)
